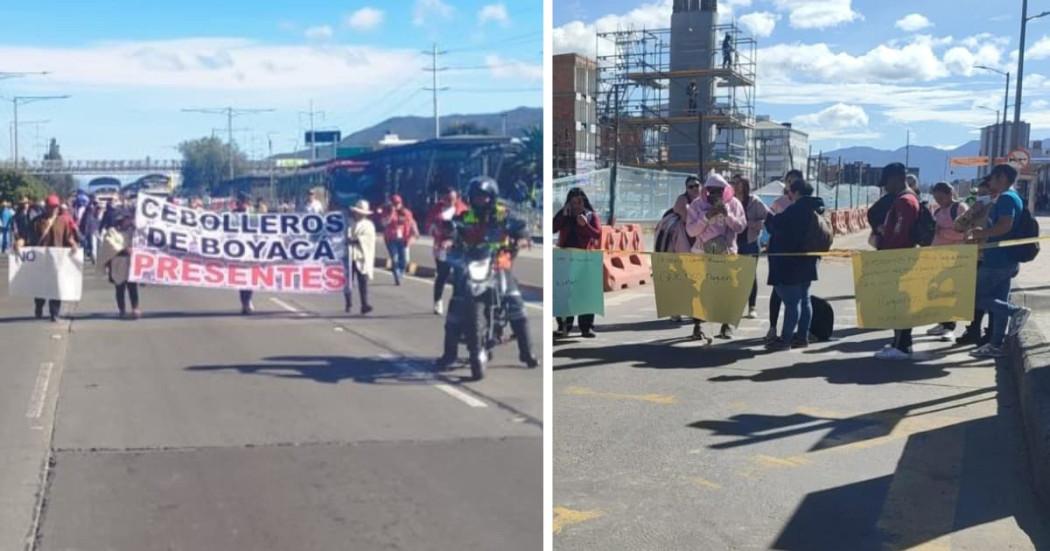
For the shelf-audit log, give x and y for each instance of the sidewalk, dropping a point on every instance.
(1029, 361)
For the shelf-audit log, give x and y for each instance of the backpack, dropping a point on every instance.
(823, 321)
(1027, 228)
(819, 236)
(925, 227)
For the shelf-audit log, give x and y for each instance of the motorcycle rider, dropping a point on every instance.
(487, 224)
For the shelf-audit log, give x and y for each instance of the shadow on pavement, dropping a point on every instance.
(653, 355)
(947, 480)
(755, 429)
(332, 369)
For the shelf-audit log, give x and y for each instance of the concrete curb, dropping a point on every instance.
(430, 272)
(1029, 359)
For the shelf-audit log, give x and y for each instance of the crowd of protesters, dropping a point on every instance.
(714, 216)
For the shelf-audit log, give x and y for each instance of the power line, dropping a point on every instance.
(230, 113)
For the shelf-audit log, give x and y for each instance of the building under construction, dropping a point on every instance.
(681, 98)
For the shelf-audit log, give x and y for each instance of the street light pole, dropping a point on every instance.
(1000, 142)
(1016, 134)
(994, 146)
(24, 100)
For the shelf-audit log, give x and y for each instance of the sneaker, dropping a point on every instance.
(799, 343)
(561, 334)
(726, 332)
(751, 314)
(676, 319)
(588, 334)
(892, 353)
(531, 362)
(937, 331)
(777, 344)
(699, 335)
(136, 313)
(969, 337)
(439, 308)
(1017, 321)
(366, 309)
(771, 335)
(988, 351)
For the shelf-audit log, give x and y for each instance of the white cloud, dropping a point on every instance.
(1039, 50)
(579, 37)
(913, 22)
(912, 62)
(1040, 104)
(817, 14)
(496, 13)
(320, 32)
(840, 121)
(759, 23)
(513, 69)
(424, 10)
(365, 19)
(214, 64)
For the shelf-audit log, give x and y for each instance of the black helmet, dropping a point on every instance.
(483, 185)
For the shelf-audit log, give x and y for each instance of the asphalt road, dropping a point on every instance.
(297, 428)
(660, 444)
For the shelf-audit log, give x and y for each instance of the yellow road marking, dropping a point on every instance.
(564, 516)
(663, 399)
(789, 462)
(707, 483)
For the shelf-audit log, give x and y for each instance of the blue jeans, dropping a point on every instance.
(798, 311)
(398, 257)
(3, 241)
(993, 296)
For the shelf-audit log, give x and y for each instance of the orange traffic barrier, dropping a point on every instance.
(624, 268)
(838, 222)
(851, 220)
(864, 217)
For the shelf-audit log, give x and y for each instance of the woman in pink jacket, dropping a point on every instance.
(715, 218)
(945, 214)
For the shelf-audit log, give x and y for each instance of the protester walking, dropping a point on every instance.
(794, 231)
(578, 227)
(49, 229)
(361, 239)
(313, 204)
(399, 228)
(89, 230)
(6, 215)
(115, 255)
(945, 214)
(747, 240)
(779, 206)
(715, 219)
(439, 226)
(897, 232)
(1000, 264)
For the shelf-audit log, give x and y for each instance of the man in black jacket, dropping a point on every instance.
(791, 276)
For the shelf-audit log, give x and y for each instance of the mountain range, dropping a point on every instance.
(422, 128)
(932, 162)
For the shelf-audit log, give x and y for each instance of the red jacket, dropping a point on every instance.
(399, 224)
(439, 228)
(572, 235)
(896, 230)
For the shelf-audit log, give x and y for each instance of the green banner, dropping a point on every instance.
(578, 287)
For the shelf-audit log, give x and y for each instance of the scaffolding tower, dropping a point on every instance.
(638, 124)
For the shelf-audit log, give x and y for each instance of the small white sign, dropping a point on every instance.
(46, 272)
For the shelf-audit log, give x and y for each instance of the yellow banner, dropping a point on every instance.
(710, 287)
(906, 288)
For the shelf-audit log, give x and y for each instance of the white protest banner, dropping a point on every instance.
(46, 272)
(278, 252)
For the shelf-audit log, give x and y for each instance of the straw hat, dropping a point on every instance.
(362, 208)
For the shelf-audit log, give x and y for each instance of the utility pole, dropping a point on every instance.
(313, 138)
(1016, 134)
(273, 166)
(907, 151)
(23, 100)
(434, 70)
(230, 113)
(838, 184)
(616, 156)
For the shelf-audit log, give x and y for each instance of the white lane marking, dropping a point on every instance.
(36, 400)
(287, 306)
(461, 396)
(430, 281)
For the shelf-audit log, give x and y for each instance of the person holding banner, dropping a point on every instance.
(578, 227)
(947, 212)
(896, 232)
(116, 256)
(792, 276)
(715, 219)
(49, 229)
(243, 204)
(6, 214)
(361, 238)
(999, 265)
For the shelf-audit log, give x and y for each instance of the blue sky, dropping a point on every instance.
(864, 72)
(130, 69)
